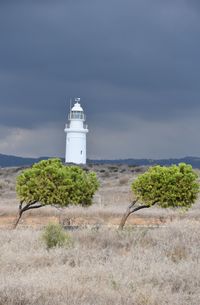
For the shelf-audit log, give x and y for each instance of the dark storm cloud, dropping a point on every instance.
(138, 58)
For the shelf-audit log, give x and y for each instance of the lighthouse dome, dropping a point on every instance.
(77, 107)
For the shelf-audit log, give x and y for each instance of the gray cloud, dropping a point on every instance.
(131, 59)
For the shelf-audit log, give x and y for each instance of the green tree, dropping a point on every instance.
(49, 182)
(175, 186)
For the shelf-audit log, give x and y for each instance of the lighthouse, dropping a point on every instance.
(76, 131)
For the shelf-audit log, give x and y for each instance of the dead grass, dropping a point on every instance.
(137, 266)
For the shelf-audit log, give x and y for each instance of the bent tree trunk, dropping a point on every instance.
(17, 220)
(22, 209)
(130, 210)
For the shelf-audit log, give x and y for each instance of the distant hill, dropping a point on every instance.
(8, 161)
(194, 161)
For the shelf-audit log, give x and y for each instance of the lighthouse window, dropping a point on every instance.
(81, 152)
(77, 115)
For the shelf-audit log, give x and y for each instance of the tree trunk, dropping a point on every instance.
(126, 215)
(27, 207)
(130, 211)
(18, 219)
(124, 219)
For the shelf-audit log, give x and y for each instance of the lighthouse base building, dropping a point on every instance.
(76, 131)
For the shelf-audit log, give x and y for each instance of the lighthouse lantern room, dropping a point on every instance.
(76, 131)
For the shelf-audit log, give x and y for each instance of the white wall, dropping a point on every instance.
(76, 147)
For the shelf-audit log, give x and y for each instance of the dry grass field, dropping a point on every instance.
(141, 265)
(138, 266)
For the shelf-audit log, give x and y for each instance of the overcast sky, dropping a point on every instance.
(135, 64)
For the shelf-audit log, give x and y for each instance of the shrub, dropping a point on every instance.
(123, 180)
(55, 236)
(49, 182)
(175, 186)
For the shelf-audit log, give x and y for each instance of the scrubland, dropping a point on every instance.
(140, 266)
(110, 202)
(103, 266)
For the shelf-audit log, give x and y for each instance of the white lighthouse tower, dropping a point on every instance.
(76, 131)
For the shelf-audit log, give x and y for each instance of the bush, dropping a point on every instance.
(175, 186)
(123, 180)
(49, 182)
(55, 236)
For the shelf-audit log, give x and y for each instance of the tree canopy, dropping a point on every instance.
(174, 186)
(49, 182)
